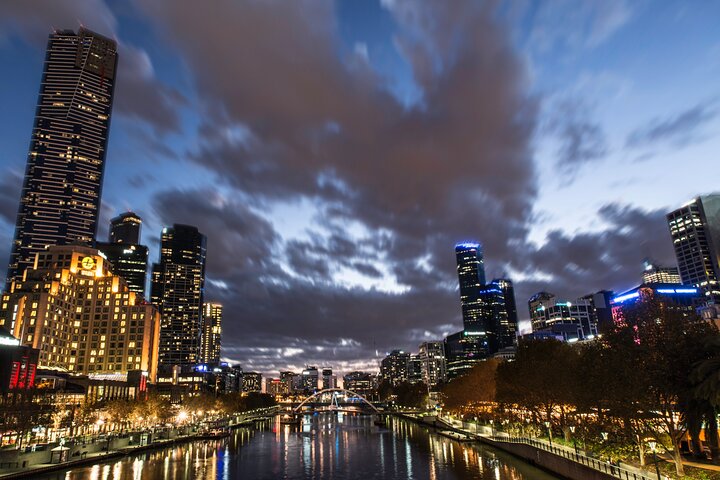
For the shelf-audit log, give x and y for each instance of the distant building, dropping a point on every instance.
(178, 289)
(488, 310)
(290, 381)
(572, 320)
(361, 383)
(275, 387)
(679, 298)
(432, 360)
(653, 273)
(251, 382)
(414, 369)
(127, 257)
(328, 379)
(60, 197)
(125, 228)
(463, 350)
(394, 367)
(211, 333)
(81, 317)
(310, 380)
(695, 232)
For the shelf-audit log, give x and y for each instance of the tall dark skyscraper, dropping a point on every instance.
(695, 231)
(125, 228)
(128, 259)
(488, 310)
(60, 197)
(471, 275)
(178, 285)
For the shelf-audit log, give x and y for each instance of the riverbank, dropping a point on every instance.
(557, 459)
(31, 464)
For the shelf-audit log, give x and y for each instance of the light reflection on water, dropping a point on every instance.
(325, 447)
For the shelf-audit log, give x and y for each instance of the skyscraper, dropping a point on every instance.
(178, 286)
(127, 257)
(211, 331)
(60, 197)
(471, 275)
(125, 228)
(503, 311)
(695, 232)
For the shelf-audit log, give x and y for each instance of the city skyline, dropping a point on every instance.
(321, 247)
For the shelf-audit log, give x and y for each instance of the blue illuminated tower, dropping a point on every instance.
(471, 275)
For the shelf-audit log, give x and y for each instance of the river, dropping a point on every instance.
(327, 446)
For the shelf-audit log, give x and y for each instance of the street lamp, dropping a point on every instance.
(572, 430)
(547, 425)
(653, 446)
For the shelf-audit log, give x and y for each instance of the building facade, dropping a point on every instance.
(211, 333)
(82, 318)
(60, 197)
(251, 382)
(178, 290)
(394, 367)
(126, 228)
(695, 232)
(432, 359)
(654, 273)
(573, 321)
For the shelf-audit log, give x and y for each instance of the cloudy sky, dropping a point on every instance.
(333, 152)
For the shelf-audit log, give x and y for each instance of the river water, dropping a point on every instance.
(328, 446)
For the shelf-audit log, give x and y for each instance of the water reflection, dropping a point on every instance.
(324, 446)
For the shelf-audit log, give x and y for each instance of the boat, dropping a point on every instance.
(458, 437)
(290, 419)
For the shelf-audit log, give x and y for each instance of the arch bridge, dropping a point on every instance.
(348, 393)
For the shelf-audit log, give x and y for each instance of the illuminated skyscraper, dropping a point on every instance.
(125, 228)
(178, 287)
(127, 257)
(653, 273)
(211, 330)
(471, 275)
(60, 197)
(695, 231)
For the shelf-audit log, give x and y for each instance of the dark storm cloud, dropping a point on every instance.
(608, 259)
(138, 95)
(287, 116)
(680, 129)
(581, 140)
(10, 186)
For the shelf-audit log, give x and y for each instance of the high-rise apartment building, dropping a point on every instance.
(60, 197)
(125, 228)
(432, 358)
(394, 367)
(81, 317)
(178, 286)
(211, 332)
(471, 276)
(695, 232)
(127, 257)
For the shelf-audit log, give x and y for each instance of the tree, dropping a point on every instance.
(474, 390)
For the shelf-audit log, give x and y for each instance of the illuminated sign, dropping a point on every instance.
(627, 296)
(88, 263)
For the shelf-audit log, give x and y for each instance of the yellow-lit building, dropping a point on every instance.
(81, 317)
(211, 333)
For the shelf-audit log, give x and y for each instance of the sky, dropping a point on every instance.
(333, 152)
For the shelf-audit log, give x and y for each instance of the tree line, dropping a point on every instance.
(652, 376)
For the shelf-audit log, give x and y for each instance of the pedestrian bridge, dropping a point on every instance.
(313, 401)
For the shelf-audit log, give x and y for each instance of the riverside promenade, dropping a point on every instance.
(558, 459)
(95, 449)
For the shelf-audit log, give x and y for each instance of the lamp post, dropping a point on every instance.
(653, 446)
(572, 431)
(547, 425)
